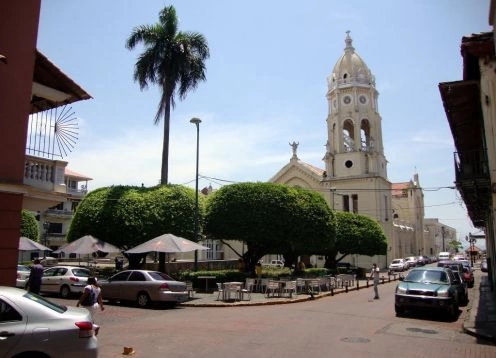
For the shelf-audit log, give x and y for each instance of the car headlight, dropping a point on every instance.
(401, 290)
(443, 293)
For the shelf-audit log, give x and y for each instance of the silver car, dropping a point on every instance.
(143, 287)
(32, 326)
(22, 276)
(64, 280)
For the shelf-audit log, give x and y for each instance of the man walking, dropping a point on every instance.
(35, 277)
(374, 275)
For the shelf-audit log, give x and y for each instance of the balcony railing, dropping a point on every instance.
(471, 165)
(45, 174)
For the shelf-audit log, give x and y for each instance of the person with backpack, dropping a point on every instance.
(91, 298)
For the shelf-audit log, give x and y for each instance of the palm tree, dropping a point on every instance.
(172, 59)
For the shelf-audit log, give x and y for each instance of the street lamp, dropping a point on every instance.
(46, 226)
(196, 122)
(442, 234)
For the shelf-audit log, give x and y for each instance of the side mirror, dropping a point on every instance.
(401, 278)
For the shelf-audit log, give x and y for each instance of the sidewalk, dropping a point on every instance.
(481, 318)
(258, 299)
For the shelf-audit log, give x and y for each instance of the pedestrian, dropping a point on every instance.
(91, 298)
(35, 276)
(374, 275)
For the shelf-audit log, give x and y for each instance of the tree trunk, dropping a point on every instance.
(164, 178)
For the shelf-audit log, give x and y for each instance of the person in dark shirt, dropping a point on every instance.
(35, 277)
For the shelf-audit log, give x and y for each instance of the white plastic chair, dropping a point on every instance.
(289, 288)
(220, 290)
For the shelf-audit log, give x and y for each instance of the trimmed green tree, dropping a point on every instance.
(270, 218)
(127, 216)
(29, 226)
(356, 234)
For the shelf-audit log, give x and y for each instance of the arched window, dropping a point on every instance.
(365, 135)
(348, 136)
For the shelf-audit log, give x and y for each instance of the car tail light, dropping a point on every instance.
(86, 329)
(164, 287)
(18, 275)
(73, 279)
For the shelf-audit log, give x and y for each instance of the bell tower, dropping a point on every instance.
(354, 146)
(356, 168)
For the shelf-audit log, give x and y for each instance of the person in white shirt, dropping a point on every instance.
(374, 275)
(91, 298)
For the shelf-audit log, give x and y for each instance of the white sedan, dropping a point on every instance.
(32, 326)
(398, 265)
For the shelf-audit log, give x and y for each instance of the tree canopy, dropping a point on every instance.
(127, 216)
(270, 218)
(173, 60)
(29, 226)
(357, 234)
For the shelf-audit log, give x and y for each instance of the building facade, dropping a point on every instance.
(355, 175)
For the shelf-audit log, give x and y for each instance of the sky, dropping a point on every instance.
(265, 88)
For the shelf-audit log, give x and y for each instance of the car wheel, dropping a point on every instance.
(65, 291)
(143, 300)
(400, 311)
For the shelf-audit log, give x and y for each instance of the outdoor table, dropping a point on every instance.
(230, 287)
(206, 278)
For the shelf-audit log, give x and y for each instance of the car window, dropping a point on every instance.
(121, 276)
(160, 276)
(80, 272)
(137, 276)
(22, 268)
(8, 313)
(61, 272)
(50, 272)
(45, 302)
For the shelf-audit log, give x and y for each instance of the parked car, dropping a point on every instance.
(33, 326)
(483, 266)
(411, 260)
(398, 265)
(462, 289)
(143, 287)
(64, 280)
(22, 276)
(466, 275)
(421, 261)
(428, 287)
(274, 263)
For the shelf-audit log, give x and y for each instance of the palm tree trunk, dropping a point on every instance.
(164, 178)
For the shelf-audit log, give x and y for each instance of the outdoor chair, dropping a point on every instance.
(272, 287)
(250, 283)
(263, 284)
(300, 285)
(220, 290)
(314, 285)
(190, 289)
(289, 288)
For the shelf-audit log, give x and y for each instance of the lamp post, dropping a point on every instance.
(471, 241)
(46, 226)
(442, 234)
(196, 122)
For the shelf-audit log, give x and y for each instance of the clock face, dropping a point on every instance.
(347, 99)
(362, 99)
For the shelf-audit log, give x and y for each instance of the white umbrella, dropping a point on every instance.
(87, 245)
(26, 244)
(167, 243)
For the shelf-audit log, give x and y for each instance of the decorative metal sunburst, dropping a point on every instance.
(52, 133)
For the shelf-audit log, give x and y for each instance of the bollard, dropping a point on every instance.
(358, 286)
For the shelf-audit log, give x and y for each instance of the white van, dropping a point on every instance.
(443, 256)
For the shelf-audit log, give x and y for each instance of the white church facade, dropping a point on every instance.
(355, 175)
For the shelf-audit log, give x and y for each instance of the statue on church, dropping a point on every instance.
(294, 145)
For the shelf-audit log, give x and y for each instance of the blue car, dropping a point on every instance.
(428, 287)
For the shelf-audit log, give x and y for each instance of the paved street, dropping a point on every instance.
(344, 325)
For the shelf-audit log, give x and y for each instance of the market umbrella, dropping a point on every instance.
(87, 245)
(26, 244)
(167, 243)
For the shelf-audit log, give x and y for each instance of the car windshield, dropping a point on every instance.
(396, 262)
(22, 268)
(427, 276)
(159, 276)
(44, 302)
